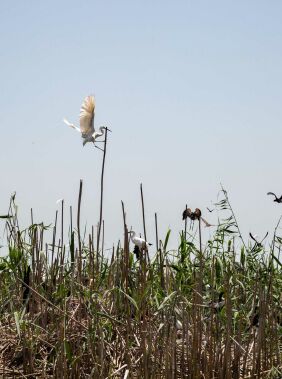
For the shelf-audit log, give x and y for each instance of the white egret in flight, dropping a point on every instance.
(86, 121)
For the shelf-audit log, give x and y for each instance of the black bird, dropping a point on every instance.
(277, 199)
(210, 210)
(192, 215)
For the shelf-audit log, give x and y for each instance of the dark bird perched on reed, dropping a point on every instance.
(192, 215)
(196, 215)
(277, 199)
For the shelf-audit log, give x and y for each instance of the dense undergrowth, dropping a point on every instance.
(68, 311)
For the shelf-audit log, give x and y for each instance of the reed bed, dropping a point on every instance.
(69, 310)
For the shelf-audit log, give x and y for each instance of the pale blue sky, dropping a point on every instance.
(191, 89)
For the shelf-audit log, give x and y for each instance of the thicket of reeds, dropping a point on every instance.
(208, 310)
(68, 309)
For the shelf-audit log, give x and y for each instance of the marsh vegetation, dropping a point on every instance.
(204, 310)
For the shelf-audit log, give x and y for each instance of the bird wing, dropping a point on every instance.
(86, 118)
(71, 125)
(186, 213)
(271, 193)
(197, 213)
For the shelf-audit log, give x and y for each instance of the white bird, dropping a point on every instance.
(86, 121)
(140, 244)
(137, 241)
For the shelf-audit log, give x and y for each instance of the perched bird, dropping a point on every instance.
(140, 243)
(196, 215)
(192, 215)
(86, 121)
(277, 199)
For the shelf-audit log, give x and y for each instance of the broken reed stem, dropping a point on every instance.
(78, 231)
(186, 223)
(126, 271)
(125, 248)
(103, 242)
(102, 190)
(70, 220)
(143, 212)
(31, 216)
(157, 233)
(144, 223)
(62, 226)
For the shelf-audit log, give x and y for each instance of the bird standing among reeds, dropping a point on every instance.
(86, 122)
(139, 243)
(277, 199)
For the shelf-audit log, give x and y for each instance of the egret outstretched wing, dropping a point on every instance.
(71, 125)
(87, 112)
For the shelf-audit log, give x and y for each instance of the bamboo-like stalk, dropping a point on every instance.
(144, 221)
(78, 230)
(156, 229)
(102, 190)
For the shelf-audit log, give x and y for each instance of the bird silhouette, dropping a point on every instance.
(277, 199)
(86, 121)
(210, 210)
(196, 215)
